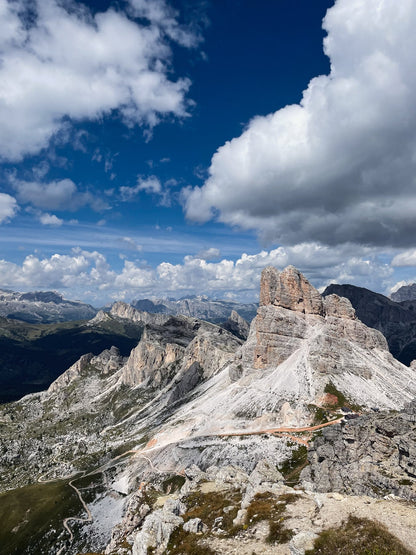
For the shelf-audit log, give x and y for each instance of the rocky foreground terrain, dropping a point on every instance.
(201, 442)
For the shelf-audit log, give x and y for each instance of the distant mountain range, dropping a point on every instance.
(42, 307)
(215, 311)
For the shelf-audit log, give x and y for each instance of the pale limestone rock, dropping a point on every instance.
(71, 374)
(155, 532)
(302, 542)
(289, 289)
(237, 325)
(100, 317)
(195, 526)
(127, 312)
(174, 506)
(151, 359)
(265, 472)
(339, 307)
(183, 350)
(109, 361)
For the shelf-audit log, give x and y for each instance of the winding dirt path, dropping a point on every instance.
(285, 431)
(281, 430)
(77, 519)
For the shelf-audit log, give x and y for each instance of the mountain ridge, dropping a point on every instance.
(194, 410)
(45, 307)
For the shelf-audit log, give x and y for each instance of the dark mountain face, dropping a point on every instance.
(396, 321)
(32, 356)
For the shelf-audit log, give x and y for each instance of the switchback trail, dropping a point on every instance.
(286, 431)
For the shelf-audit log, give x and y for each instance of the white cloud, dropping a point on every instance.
(50, 219)
(130, 243)
(88, 275)
(150, 185)
(55, 195)
(209, 254)
(407, 258)
(340, 166)
(163, 15)
(8, 205)
(64, 62)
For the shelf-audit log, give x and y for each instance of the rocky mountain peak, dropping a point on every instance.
(289, 289)
(339, 307)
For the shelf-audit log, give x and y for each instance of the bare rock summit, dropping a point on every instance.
(289, 289)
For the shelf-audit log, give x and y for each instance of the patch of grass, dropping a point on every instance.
(405, 482)
(32, 516)
(358, 536)
(265, 506)
(292, 467)
(278, 533)
(320, 415)
(342, 400)
(182, 542)
(209, 506)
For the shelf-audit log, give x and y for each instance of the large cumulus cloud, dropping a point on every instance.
(340, 166)
(58, 62)
(89, 275)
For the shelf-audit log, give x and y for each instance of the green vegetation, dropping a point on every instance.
(405, 482)
(320, 415)
(208, 507)
(32, 516)
(33, 355)
(182, 542)
(342, 400)
(292, 467)
(358, 536)
(265, 506)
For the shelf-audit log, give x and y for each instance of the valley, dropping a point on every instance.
(200, 441)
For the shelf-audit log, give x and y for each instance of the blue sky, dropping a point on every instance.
(172, 148)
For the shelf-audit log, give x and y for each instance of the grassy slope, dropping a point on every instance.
(28, 513)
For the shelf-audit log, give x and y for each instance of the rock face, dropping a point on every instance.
(42, 307)
(108, 362)
(290, 358)
(186, 348)
(237, 326)
(373, 455)
(405, 293)
(190, 393)
(289, 289)
(396, 321)
(292, 312)
(128, 312)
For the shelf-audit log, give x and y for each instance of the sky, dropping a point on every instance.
(163, 148)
